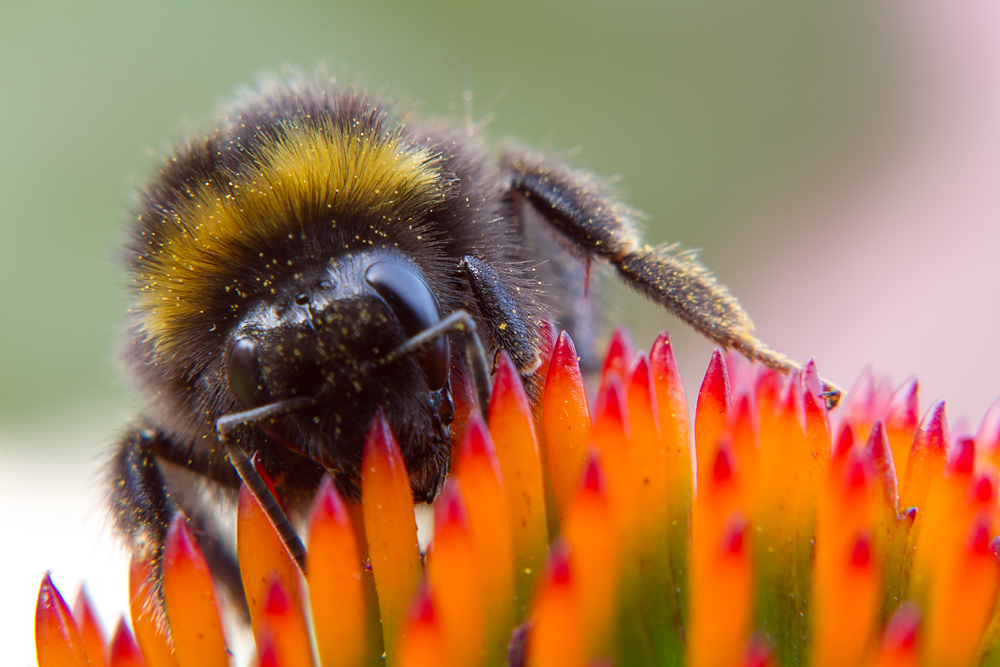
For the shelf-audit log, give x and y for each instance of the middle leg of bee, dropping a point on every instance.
(151, 478)
(599, 225)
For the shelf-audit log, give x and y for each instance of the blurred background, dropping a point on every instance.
(835, 161)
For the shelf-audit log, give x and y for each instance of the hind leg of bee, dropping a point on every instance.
(599, 225)
(150, 479)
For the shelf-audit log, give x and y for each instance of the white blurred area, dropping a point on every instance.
(52, 519)
(898, 265)
(895, 265)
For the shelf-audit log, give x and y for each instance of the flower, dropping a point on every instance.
(577, 537)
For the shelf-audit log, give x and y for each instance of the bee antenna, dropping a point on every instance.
(248, 473)
(462, 322)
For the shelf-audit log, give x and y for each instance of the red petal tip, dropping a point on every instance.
(277, 602)
(845, 440)
(904, 408)
(811, 383)
(978, 539)
(983, 488)
(422, 607)
(564, 352)
(758, 653)
(450, 506)
(610, 402)
(329, 505)
(506, 379)
(593, 480)
(559, 570)
(964, 456)
(855, 472)
(180, 541)
(639, 373)
(734, 533)
(716, 382)
(476, 443)
(934, 427)
(861, 556)
(661, 356)
(878, 441)
(123, 649)
(620, 353)
(901, 631)
(725, 461)
(988, 435)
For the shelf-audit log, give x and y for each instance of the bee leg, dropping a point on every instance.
(249, 475)
(595, 222)
(508, 321)
(475, 355)
(150, 479)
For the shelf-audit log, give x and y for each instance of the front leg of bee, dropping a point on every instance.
(150, 479)
(596, 223)
(509, 319)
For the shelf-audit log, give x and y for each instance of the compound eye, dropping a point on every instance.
(415, 307)
(245, 378)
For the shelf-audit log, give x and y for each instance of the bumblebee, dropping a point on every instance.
(317, 256)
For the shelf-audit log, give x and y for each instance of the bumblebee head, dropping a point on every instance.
(327, 335)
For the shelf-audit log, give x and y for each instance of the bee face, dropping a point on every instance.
(308, 262)
(321, 335)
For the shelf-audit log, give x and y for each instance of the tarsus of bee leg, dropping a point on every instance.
(248, 473)
(754, 349)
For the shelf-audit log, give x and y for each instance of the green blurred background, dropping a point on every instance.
(703, 109)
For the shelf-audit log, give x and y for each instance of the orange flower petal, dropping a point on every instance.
(610, 438)
(899, 645)
(262, 555)
(722, 596)
(453, 574)
(646, 460)
(149, 628)
(653, 598)
(422, 642)
(282, 630)
(941, 527)
(557, 638)
(391, 529)
(57, 639)
(963, 596)
(592, 537)
(925, 462)
(195, 628)
(676, 443)
(901, 422)
(988, 435)
(782, 533)
(337, 583)
(478, 471)
(513, 430)
(90, 628)
(621, 351)
(124, 652)
(711, 414)
(565, 421)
